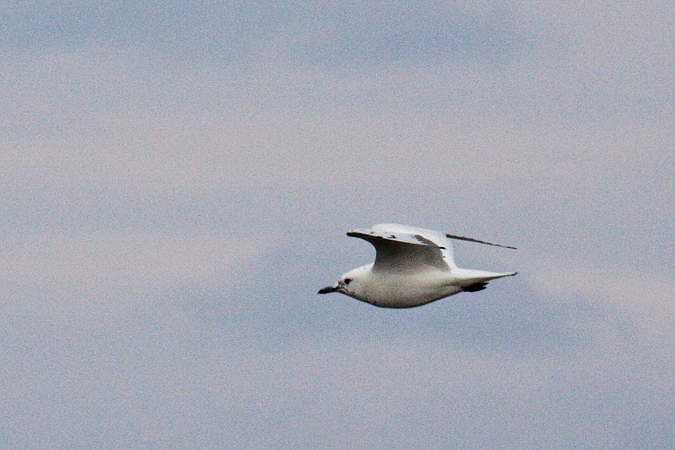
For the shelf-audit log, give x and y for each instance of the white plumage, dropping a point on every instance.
(412, 267)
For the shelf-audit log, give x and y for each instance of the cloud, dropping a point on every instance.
(96, 262)
(629, 293)
(304, 32)
(176, 182)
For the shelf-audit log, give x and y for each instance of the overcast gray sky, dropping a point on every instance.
(177, 179)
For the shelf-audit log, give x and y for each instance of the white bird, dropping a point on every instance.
(412, 267)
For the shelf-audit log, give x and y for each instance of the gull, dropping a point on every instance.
(412, 267)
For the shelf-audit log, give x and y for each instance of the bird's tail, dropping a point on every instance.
(475, 280)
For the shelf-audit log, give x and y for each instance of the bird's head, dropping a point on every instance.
(350, 283)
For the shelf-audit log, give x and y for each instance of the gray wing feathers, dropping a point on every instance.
(403, 252)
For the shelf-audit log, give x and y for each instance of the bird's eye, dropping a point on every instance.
(348, 280)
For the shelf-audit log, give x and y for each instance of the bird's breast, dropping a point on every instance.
(407, 290)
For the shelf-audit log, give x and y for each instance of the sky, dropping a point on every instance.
(177, 179)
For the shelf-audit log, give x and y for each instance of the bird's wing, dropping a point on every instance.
(464, 238)
(407, 249)
(436, 237)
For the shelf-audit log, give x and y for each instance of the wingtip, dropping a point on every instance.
(478, 241)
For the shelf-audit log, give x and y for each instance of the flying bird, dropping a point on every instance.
(412, 267)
